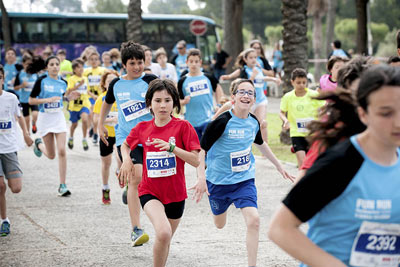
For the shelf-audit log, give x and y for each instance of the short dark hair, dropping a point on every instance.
(160, 85)
(131, 50)
(11, 49)
(2, 70)
(393, 59)
(373, 79)
(194, 52)
(76, 63)
(50, 58)
(61, 52)
(26, 58)
(298, 73)
(337, 44)
(332, 60)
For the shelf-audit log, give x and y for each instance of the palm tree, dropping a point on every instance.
(5, 22)
(294, 34)
(330, 25)
(361, 7)
(134, 23)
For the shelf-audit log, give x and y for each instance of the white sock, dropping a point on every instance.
(5, 220)
(106, 187)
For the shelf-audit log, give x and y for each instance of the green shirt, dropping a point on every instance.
(66, 65)
(300, 111)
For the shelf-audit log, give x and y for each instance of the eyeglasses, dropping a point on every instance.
(180, 47)
(256, 47)
(244, 92)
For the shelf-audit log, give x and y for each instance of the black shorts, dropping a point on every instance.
(173, 210)
(136, 154)
(26, 107)
(299, 144)
(107, 150)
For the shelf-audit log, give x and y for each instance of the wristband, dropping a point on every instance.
(171, 147)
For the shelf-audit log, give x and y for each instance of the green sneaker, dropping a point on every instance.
(36, 149)
(85, 145)
(70, 143)
(63, 191)
(5, 228)
(138, 237)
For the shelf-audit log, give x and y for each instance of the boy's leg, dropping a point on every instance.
(85, 121)
(300, 147)
(252, 220)
(133, 196)
(300, 155)
(220, 220)
(3, 203)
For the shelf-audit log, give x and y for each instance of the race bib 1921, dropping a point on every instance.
(133, 109)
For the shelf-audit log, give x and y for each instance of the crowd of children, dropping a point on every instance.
(131, 105)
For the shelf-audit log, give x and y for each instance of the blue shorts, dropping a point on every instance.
(243, 194)
(201, 129)
(75, 116)
(92, 101)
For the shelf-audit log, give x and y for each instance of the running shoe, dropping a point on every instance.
(138, 237)
(34, 129)
(63, 190)
(36, 149)
(95, 139)
(91, 132)
(5, 228)
(71, 143)
(106, 197)
(85, 145)
(125, 195)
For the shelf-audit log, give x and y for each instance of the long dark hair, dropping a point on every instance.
(160, 85)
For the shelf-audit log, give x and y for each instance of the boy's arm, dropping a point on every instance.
(127, 169)
(282, 115)
(201, 185)
(27, 138)
(231, 76)
(225, 107)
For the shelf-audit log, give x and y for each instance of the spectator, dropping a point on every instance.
(338, 51)
(220, 60)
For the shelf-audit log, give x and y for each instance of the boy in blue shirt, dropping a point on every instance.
(230, 173)
(11, 68)
(129, 92)
(179, 60)
(196, 92)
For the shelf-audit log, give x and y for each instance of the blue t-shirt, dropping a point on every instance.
(228, 141)
(200, 88)
(46, 87)
(259, 83)
(180, 64)
(25, 92)
(339, 53)
(10, 72)
(341, 195)
(130, 97)
(278, 62)
(260, 61)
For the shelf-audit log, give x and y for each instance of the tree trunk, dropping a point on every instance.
(330, 25)
(294, 38)
(5, 22)
(233, 23)
(134, 23)
(317, 43)
(362, 34)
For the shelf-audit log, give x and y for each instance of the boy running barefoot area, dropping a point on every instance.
(168, 143)
(48, 92)
(9, 166)
(298, 108)
(129, 93)
(230, 174)
(79, 103)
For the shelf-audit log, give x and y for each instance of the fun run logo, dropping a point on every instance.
(376, 209)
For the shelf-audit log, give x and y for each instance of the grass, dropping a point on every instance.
(281, 151)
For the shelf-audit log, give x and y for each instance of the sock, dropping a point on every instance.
(106, 187)
(5, 220)
(83, 139)
(71, 138)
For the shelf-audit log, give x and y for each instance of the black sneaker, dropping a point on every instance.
(91, 132)
(125, 195)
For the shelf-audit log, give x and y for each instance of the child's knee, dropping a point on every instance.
(164, 235)
(3, 186)
(253, 222)
(16, 188)
(61, 152)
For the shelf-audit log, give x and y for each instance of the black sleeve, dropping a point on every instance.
(172, 60)
(110, 98)
(328, 177)
(180, 87)
(186, 71)
(347, 54)
(62, 79)
(258, 140)
(37, 87)
(213, 81)
(243, 74)
(214, 130)
(266, 64)
(149, 77)
(19, 67)
(226, 55)
(17, 81)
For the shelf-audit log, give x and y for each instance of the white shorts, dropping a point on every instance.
(256, 105)
(51, 123)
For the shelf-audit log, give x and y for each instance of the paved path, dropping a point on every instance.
(47, 230)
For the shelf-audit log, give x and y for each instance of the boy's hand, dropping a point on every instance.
(286, 125)
(28, 139)
(199, 188)
(126, 171)
(103, 133)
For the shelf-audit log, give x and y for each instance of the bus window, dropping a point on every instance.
(67, 31)
(30, 31)
(111, 31)
(151, 34)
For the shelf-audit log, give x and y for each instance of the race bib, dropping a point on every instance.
(112, 115)
(259, 83)
(134, 109)
(160, 164)
(376, 244)
(82, 89)
(52, 107)
(94, 80)
(10, 85)
(5, 126)
(198, 88)
(240, 160)
(302, 124)
(29, 87)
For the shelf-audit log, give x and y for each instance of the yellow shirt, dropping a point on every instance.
(94, 77)
(300, 111)
(83, 100)
(112, 114)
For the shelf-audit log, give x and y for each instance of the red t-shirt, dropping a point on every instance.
(163, 172)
